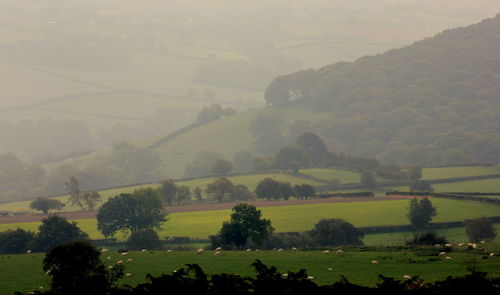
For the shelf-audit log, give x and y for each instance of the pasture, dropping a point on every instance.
(24, 272)
(453, 172)
(201, 224)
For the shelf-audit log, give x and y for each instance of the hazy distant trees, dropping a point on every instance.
(222, 166)
(213, 113)
(267, 130)
(480, 229)
(44, 204)
(202, 163)
(220, 189)
(314, 147)
(74, 191)
(243, 162)
(293, 158)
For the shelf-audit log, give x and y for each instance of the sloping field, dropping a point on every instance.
(453, 172)
(302, 217)
(343, 176)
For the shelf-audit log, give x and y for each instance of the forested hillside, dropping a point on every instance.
(435, 102)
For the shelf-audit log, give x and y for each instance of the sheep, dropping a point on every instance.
(217, 253)
(169, 250)
(128, 274)
(374, 262)
(285, 275)
(492, 254)
(448, 245)
(110, 267)
(448, 258)
(326, 252)
(199, 251)
(119, 262)
(28, 252)
(280, 250)
(407, 277)
(144, 250)
(442, 253)
(274, 249)
(108, 258)
(125, 253)
(257, 250)
(339, 251)
(47, 273)
(248, 250)
(129, 260)
(330, 269)
(482, 242)
(218, 249)
(460, 244)
(310, 278)
(104, 250)
(294, 249)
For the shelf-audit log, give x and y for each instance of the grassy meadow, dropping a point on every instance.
(23, 272)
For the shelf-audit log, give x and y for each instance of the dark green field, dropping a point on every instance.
(24, 272)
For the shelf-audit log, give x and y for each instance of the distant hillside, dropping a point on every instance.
(434, 102)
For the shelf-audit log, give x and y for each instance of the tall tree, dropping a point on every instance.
(336, 232)
(314, 146)
(56, 230)
(44, 204)
(167, 191)
(292, 157)
(75, 193)
(421, 212)
(220, 189)
(268, 189)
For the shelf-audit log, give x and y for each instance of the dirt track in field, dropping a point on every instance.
(202, 207)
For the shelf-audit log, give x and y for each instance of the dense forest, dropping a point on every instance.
(436, 102)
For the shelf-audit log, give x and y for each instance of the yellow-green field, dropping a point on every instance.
(343, 176)
(453, 172)
(201, 224)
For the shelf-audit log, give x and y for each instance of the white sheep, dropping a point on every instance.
(249, 250)
(448, 245)
(104, 250)
(217, 253)
(460, 244)
(199, 251)
(310, 278)
(492, 254)
(326, 252)
(144, 250)
(125, 253)
(129, 260)
(374, 262)
(280, 250)
(119, 262)
(218, 249)
(48, 272)
(294, 249)
(28, 252)
(448, 258)
(128, 274)
(285, 275)
(169, 250)
(330, 269)
(108, 258)
(339, 251)
(442, 253)
(407, 277)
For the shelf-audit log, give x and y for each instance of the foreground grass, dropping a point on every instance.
(201, 224)
(24, 272)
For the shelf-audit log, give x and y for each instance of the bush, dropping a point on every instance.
(480, 229)
(336, 232)
(15, 241)
(144, 239)
(426, 239)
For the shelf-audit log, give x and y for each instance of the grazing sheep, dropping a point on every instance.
(339, 251)
(144, 250)
(169, 250)
(125, 253)
(248, 250)
(294, 249)
(128, 274)
(48, 272)
(310, 278)
(492, 254)
(129, 260)
(285, 275)
(110, 267)
(374, 262)
(108, 258)
(274, 249)
(448, 245)
(482, 242)
(217, 253)
(460, 244)
(442, 253)
(280, 250)
(28, 252)
(407, 277)
(119, 262)
(218, 249)
(448, 258)
(199, 251)
(257, 250)
(104, 250)
(330, 269)
(326, 252)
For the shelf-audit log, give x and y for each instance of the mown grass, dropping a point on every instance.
(452, 172)
(24, 272)
(301, 217)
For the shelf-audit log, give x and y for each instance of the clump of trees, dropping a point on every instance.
(427, 239)
(480, 229)
(269, 188)
(144, 239)
(246, 224)
(223, 189)
(173, 194)
(131, 212)
(54, 230)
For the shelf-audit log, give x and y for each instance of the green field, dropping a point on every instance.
(24, 272)
(343, 176)
(303, 217)
(453, 172)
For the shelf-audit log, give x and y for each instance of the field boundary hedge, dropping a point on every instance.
(453, 196)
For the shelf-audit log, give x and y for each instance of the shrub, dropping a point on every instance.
(426, 239)
(15, 241)
(144, 239)
(480, 229)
